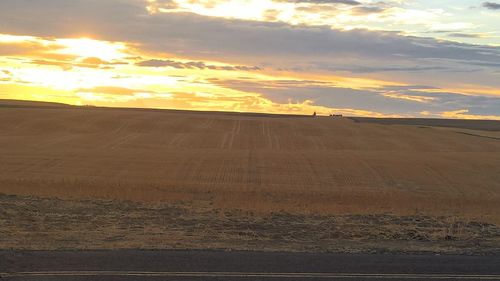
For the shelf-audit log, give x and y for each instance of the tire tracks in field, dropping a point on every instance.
(228, 141)
(266, 132)
(177, 140)
(119, 140)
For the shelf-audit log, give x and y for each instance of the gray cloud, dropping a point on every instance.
(464, 35)
(491, 5)
(189, 34)
(384, 68)
(276, 45)
(410, 87)
(345, 2)
(365, 10)
(371, 100)
(163, 4)
(194, 65)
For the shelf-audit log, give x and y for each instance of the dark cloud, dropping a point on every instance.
(409, 87)
(384, 68)
(491, 5)
(464, 35)
(365, 10)
(199, 36)
(193, 65)
(486, 64)
(275, 45)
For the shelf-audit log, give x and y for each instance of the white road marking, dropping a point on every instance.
(255, 274)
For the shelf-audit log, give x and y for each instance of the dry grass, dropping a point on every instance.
(48, 224)
(259, 164)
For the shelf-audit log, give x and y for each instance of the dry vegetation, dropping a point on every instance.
(254, 165)
(48, 224)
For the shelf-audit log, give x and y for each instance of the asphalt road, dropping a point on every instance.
(134, 265)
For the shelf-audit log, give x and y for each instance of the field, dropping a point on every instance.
(222, 178)
(483, 125)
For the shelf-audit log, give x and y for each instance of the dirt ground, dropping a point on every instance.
(245, 167)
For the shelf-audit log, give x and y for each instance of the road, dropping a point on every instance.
(135, 265)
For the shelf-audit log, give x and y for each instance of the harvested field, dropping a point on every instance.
(485, 125)
(248, 164)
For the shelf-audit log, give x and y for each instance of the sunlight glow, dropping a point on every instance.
(6, 38)
(404, 58)
(83, 71)
(85, 47)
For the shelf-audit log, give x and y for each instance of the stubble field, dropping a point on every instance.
(250, 168)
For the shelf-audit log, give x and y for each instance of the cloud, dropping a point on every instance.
(382, 68)
(69, 64)
(156, 5)
(409, 87)
(398, 100)
(5, 75)
(110, 90)
(465, 35)
(194, 35)
(94, 61)
(398, 95)
(62, 65)
(491, 5)
(194, 65)
(366, 10)
(345, 2)
(275, 45)
(465, 114)
(24, 48)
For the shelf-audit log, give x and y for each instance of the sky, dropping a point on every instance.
(392, 58)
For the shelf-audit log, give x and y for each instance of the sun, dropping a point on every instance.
(85, 47)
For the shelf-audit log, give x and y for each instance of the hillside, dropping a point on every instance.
(255, 164)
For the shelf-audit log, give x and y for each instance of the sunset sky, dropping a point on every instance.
(355, 57)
